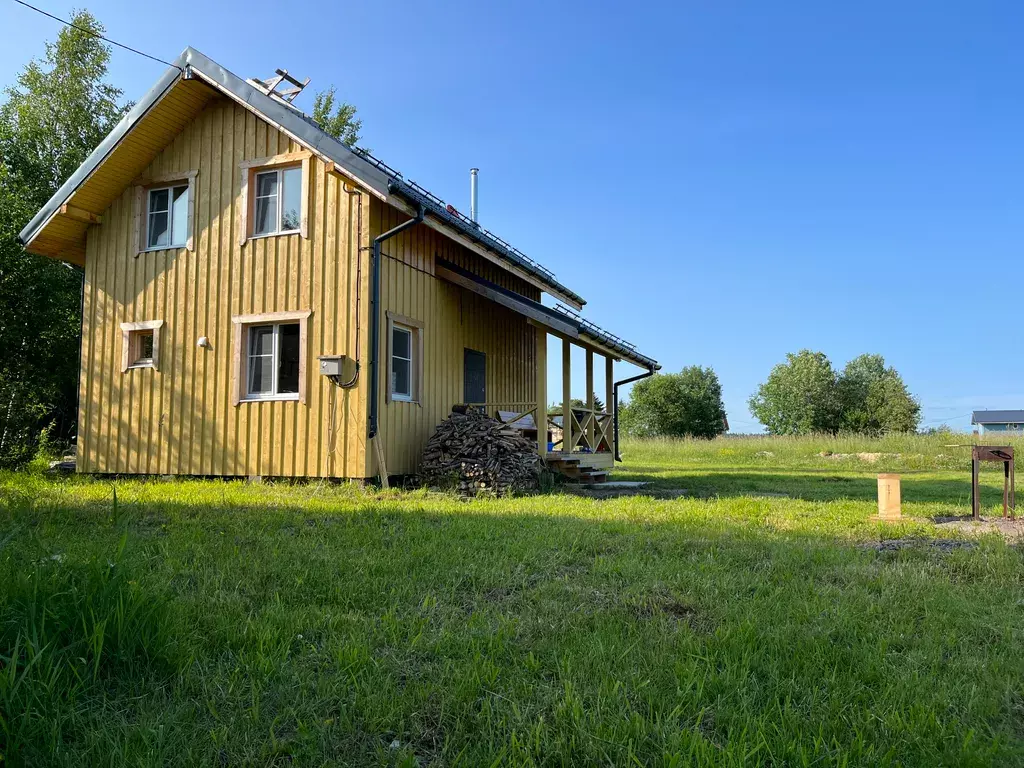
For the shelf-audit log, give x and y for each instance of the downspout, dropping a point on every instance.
(375, 314)
(615, 405)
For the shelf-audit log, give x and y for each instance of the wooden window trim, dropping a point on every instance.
(249, 169)
(394, 319)
(126, 343)
(140, 212)
(241, 323)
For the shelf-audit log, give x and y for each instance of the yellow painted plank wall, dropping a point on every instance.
(453, 319)
(180, 419)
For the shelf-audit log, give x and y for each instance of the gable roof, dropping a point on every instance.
(58, 228)
(997, 417)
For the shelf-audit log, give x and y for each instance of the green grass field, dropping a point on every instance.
(226, 624)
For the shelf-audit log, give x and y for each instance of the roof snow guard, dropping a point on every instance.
(592, 331)
(376, 176)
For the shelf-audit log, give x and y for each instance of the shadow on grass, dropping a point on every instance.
(419, 629)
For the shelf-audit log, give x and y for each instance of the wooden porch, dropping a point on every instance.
(579, 441)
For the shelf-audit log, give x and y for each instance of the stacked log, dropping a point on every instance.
(474, 453)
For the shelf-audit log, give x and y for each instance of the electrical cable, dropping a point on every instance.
(95, 34)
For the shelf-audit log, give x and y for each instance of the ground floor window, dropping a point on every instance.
(270, 355)
(140, 344)
(273, 360)
(405, 358)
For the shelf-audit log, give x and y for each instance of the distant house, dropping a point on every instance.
(999, 421)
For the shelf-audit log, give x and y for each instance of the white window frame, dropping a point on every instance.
(411, 333)
(170, 215)
(279, 197)
(129, 339)
(169, 181)
(275, 362)
(250, 169)
(240, 367)
(415, 330)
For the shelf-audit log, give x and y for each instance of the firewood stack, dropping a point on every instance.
(474, 452)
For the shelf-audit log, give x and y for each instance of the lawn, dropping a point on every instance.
(753, 619)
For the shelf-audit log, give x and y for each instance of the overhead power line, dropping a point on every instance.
(90, 32)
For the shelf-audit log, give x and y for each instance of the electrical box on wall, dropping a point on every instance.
(338, 367)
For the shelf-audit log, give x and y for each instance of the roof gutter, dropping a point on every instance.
(375, 316)
(615, 405)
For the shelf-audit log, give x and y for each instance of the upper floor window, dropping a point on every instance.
(164, 211)
(167, 217)
(275, 196)
(278, 201)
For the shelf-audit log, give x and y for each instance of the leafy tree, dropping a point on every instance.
(805, 395)
(340, 122)
(52, 118)
(799, 397)
(874, 398)
(555, 409)
(684, 404)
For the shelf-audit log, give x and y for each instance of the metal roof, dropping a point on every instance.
(559, 319)
(997, 417)
(368, 170)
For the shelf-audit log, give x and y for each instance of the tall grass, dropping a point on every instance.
(69, 629)
(896, 451)
(221, 623)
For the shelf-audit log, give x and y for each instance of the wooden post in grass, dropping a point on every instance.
(889, 497)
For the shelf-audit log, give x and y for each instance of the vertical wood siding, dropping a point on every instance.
(453, 319)
(179, 419)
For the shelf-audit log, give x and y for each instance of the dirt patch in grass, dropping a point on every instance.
(674, 609)
(937, 545)
(601, 494)
(1011, 530)
(867, 457)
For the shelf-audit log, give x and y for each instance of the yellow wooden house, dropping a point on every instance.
(260, 300)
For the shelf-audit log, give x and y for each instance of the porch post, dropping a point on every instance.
(609, 384)
(609, 394)
(567, 439)
(541, 416)
(591, 418)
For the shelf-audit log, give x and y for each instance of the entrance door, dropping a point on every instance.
(475, 377)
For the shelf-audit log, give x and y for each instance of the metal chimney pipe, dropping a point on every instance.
(473, 192)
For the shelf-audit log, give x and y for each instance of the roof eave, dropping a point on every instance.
(194, 64)
(105, 147)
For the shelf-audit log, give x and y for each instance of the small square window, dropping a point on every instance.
(141, 344)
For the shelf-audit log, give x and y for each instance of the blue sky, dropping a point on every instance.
(724, 182)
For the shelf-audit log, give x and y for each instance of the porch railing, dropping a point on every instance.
(590, 431)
